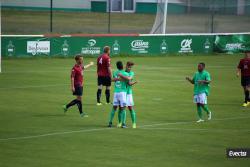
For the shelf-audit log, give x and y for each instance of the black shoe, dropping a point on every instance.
(110, 125)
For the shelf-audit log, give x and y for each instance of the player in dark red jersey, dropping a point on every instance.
(104, 73)
(244, 70)
(77, 84)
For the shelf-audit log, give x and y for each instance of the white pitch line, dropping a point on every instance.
(53, 134)
(100, 129)
(206, 130)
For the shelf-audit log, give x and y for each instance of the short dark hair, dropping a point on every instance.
(106, 49)
(203, 64)
(130, 63)
(77, 57)
(119, 65)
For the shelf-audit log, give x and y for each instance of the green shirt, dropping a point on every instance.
(129, 88)
(120, 86)
(201, 88)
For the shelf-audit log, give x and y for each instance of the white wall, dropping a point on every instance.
(84, 4)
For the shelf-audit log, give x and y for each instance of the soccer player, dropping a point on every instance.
(130, 101)
(201, 81)
(244, 70)
(104, 73)
(77, 84)
(120, 94)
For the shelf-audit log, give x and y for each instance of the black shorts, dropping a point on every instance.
(105, 81)
(78, 91)
(245, 81)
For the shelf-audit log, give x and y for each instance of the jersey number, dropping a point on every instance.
(100, 61)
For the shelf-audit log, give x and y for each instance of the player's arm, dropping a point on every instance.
(190, 80)
(206, 81)
(110, 71)
(72, 81)
(108, 64)
(124, 77)
(115, 79)
(88, 65)
(238, 71)
(132, 83)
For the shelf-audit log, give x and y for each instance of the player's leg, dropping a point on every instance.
(107, 93)
(123, 104)
(133, 116)
(130, 104)
(79, 105)
(99, 91)
(119, 118)
(114, 108)
(70, 104)
(204, 105)
(199, 108)
(245, 85)
(111, 115)
(108, 87)
(123, 116)
(77, 100)
(199, 112)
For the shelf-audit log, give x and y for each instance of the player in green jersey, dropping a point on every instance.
(201, 81)
(130, 101)
(120, 93)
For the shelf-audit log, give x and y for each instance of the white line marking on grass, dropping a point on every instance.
(100, 129)
(54, 134)
(206, 130)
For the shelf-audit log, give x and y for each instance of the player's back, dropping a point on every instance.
(120, 86)
(103, 63)
(244, 65)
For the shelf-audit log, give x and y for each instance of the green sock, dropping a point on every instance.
(205, 108)
(133, 116)
(119, 116)
(123, 113)
(199, 111)
(112, 114)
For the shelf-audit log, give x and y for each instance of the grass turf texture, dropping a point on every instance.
(32, 92)
(38, 22)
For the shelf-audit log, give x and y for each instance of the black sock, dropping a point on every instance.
(246, 96)
(79, 105)
(73, 102)
(98, 96)
(107, 92)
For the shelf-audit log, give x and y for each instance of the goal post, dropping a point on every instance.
(159, 26)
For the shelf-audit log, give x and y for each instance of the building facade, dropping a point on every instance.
(240, 7)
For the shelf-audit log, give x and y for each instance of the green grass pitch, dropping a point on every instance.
(34, 132)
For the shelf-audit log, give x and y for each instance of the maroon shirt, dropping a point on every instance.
(244, 66)
(103, 63)
(77, 74)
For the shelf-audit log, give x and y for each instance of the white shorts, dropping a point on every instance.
(200, 98)
(130, 101)
(120, 99)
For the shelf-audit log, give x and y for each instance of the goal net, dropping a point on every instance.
(201, 16)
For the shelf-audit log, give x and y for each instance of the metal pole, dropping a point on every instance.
(51, 15)
(109, 16)
(212, 17)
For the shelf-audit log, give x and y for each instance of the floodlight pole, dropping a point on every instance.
(109, 1)
(51, 15)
